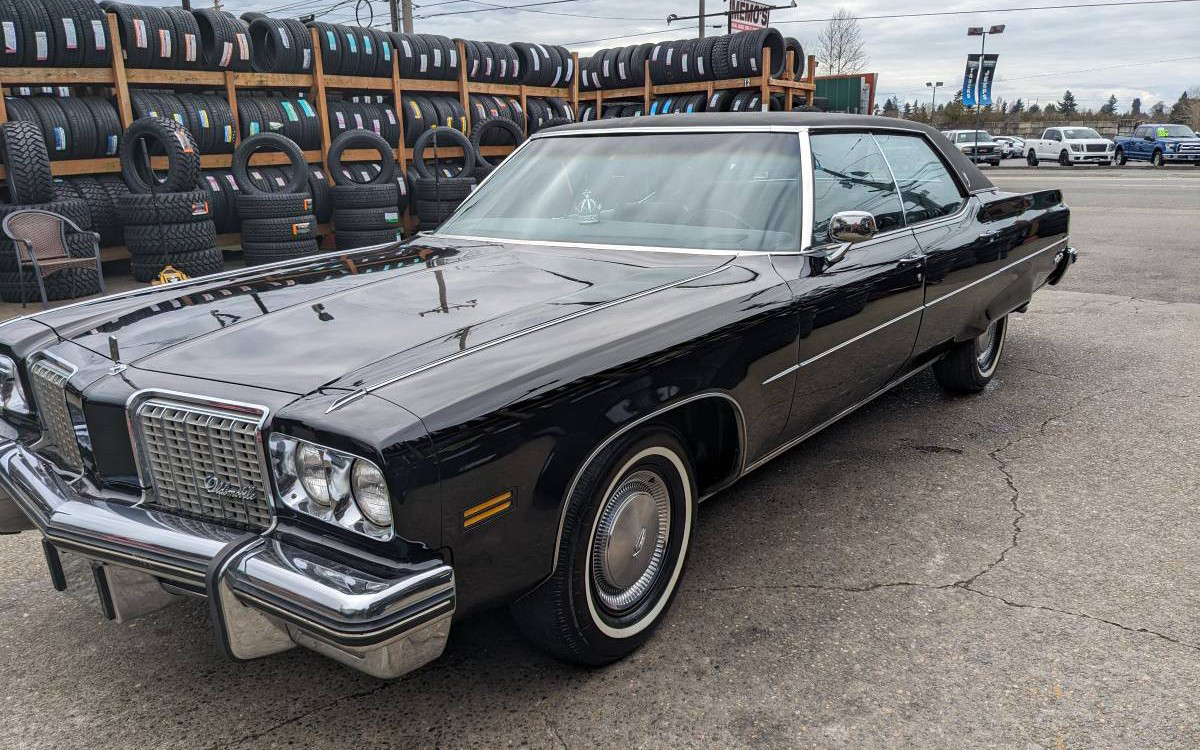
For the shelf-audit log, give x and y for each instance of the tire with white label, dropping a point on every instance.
(55, 127)
(367, 139)
(108, 125)
(188, 54)
(183, 158)
(224, 41)
(35, 17)
(272, 205)
(66, 44)
(275, 48)
(363, 219)
(626, 530)
(135, 33)
(297, 176)
(445, 137)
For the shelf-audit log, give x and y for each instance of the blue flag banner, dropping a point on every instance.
(987, 72)
(970, 80)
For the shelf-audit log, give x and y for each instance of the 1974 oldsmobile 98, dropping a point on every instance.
(352, 451)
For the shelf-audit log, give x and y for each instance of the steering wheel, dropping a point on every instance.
(740, 223)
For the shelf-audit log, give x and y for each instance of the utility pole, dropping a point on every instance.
(700, 22)
(401, 12)
(979, 32)
(933, 105)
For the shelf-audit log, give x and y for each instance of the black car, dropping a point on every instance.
(350, 452)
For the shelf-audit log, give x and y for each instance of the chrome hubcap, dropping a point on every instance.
(986, 345)
(631, 540)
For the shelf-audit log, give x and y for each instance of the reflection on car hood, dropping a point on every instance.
(311, 324)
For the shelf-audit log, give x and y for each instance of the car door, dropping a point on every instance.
(859, 315)
(1138, 145)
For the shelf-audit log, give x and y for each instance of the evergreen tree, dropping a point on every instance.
(1182, 109)
(1159, 110)
(1017, 107)
(1034, 109)
(1068, 105)
(889, 107)
(1110, 107)
(1135, 107)
(908, 110)
(1050, 110)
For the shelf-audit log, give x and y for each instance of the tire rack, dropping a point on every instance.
(317, 83)
(788, 85)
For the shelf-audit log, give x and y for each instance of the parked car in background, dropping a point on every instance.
(1012, 147)
(349, 452)
(1070, 146)
(1159, 144)
(976, 145)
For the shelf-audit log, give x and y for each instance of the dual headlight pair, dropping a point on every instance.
(332, 486)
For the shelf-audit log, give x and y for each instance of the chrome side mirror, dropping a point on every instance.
(852, 226)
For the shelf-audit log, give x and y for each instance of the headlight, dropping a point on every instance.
(1110, 147)
(1076, 146)
(1172, 146)
(333, 486)
(12, 394)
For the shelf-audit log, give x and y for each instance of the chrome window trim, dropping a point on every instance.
(140, 398)
(742, 444)
(598, 246)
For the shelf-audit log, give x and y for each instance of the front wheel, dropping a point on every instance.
(1032, 159)
(1120, 157)
(622, 552)
(1064, 159)
(1157, 160)
(970, 365)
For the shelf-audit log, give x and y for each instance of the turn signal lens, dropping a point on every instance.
(371, 493)
(313, 471)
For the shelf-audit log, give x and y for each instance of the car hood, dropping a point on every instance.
(307, 325)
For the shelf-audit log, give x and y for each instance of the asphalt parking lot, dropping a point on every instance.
(1013, 570)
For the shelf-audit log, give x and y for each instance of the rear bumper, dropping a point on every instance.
(265, 595)
(1063, 260)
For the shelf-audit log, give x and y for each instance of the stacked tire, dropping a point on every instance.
(379, 118)
(54, 33)
(82, 127)
(224, 41)
(366, 201)
(547, 112)
(100, 193)
(492, 62)
(437, 190)
(276, 225)
(294, 117)
(424, 112)
(544, 64)
(688, 60)
(168, 222)
(206, 116)
(279, 45)
(30, 186)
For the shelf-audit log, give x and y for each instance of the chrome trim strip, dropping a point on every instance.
(862, 335)
(598, 246)
(948, 295)
(808, 188)
(777, 376)
(671, 128)
(793, 443)
(363, 391)
(742, 444)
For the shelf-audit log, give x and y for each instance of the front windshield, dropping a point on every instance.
(720, 191)
(1173, 131)
(1075, 134)
(970, 137)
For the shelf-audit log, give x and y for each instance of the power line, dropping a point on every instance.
(1093, 70)
(522, 9)
(991, 10)
(498, 7)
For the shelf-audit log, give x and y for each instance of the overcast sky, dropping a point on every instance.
(1092, 51)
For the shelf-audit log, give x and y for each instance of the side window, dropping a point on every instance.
(927, 189)
(850, 174)
(1141, 132)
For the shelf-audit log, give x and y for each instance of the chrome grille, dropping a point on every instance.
(1189, 147)
(50, 395)
(205, 461)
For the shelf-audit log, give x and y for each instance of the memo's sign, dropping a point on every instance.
(747, 15)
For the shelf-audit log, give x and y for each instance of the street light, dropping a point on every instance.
(983, 35)
(933, 105)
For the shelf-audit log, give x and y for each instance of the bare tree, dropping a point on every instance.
(840, 45)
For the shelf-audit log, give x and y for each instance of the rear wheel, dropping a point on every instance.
(1157, 159)
(1032, 159)
(969, 367)
(622, 551)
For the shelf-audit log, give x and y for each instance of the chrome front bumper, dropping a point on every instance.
(265, 595)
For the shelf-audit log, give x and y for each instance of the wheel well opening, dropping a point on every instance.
(711, 432)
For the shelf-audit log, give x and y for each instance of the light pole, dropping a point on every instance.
(983, 35)
(933, 104)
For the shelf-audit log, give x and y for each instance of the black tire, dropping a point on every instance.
(108, 125)
(722, 69)
(164, 208)
(187, 53)
(289, 229)
(456, 138)
(272, 205)
(220, 47)
(274, 252)
(23, 151)
(69, 283)
(364, 196)
(363, 139)
(585, 612)
(451, 190)
(183, 158)
(298, 180)
(1031, 158)
(1156, 159)
(1120, 159)
(351, 240)
(366, 219)
(486, 127)
(72, 208)
(1064, 159)
(170, 238)
(102, 208)
(792, 44)
(971, 365)
(195, 263)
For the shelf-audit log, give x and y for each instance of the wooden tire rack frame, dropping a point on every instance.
(317, 83)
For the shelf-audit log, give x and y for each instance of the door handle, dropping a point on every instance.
(911, 259)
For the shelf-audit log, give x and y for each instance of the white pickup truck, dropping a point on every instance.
(1070, 146)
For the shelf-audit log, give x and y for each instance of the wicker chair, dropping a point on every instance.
(40, 240)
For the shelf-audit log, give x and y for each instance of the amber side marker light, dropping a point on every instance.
(488, 508)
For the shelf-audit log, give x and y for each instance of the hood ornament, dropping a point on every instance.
(114, 351)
